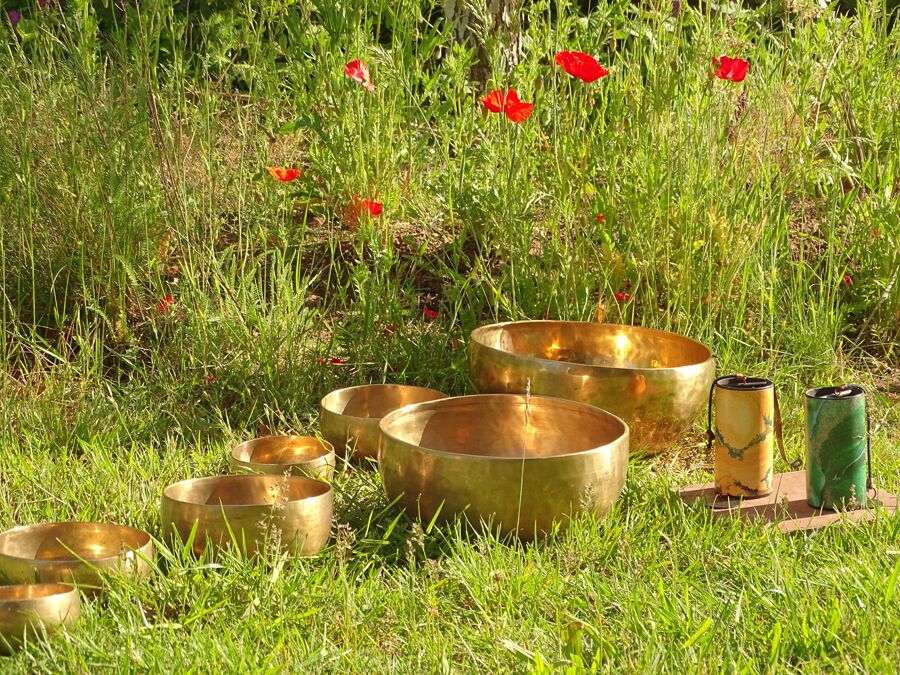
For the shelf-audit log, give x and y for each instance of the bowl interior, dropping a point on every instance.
(594, 344)
(281, 450)
(71, 541)
(376, 400)
(21, 592)
(497, 426)
(245, 490)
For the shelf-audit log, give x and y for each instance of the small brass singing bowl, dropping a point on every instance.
(277, 455)
(349, 418)
(655, 381)
(485, 458)
(26, 609)
(73, 553)
(290, 513)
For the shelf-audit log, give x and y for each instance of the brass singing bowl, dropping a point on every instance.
(277, 455)
(483, 457)
(349, 418)
(73, 553)
(29, 608)
(655, 381)
(289, 513)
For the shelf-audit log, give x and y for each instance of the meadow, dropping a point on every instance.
(164, 297)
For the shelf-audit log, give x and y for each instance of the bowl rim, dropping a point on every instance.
(476, 334)
(141, 548)
(625, 435)
(246, 478)
(54, 590)
(325, 445)
(323, 406)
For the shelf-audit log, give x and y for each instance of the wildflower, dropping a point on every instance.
(163, 305)
(390, 330)
(581, 65)
(430, 314)
(621, 296)
(731, 69)
(358, 71)
(676, 7)
(374, 208)
(453, 344)
(334, 361)
(848, 280)
(283, 174)
(14, 18)
(515, 110)
(600, 218)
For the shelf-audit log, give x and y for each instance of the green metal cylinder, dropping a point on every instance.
(836, 447)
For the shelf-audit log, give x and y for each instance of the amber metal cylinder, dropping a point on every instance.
(744, 435)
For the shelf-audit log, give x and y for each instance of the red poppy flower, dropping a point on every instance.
(333, 361)
(430, 314)
(581, 65)
(515, 110)
(374, 208)
(358, 71)
(283, 174)
(848, 280)
(600, 218)
(622, 297)
(163, 305)
(731, 69)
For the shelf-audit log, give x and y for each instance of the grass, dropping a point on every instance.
(132, 165)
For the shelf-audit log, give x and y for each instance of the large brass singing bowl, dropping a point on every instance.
(277, 455)
(655, 381)
(73, 553)
(349, 418)
(30, 608)
(287, 513)
(484, 457)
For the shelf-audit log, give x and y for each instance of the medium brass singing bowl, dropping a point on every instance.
(277, 455)
(349, 418)
(655, 381)
(485, 458)
(288, 513)
(28, 608)
(73, 553)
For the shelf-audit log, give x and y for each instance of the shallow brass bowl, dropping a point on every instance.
(655, 381)
(482, 457)
(277, 455)
(349, 417)
(290, 513)
(73, 552)
(26, 608)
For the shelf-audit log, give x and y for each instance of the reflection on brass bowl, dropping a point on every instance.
(349, 417)
(472, 454)
(277, 455)
(290, 513)
(29, 608)
(73, 552)
(655, 381)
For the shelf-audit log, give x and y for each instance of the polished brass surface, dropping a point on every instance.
(349, 417)
(484, 456)
(291, 513)
(27, 608)
(73, 552)
(277, 455)
(655, 381)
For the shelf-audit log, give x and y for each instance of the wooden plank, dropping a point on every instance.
(785, 507)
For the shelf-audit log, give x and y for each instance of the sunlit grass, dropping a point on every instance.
(133, 166)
